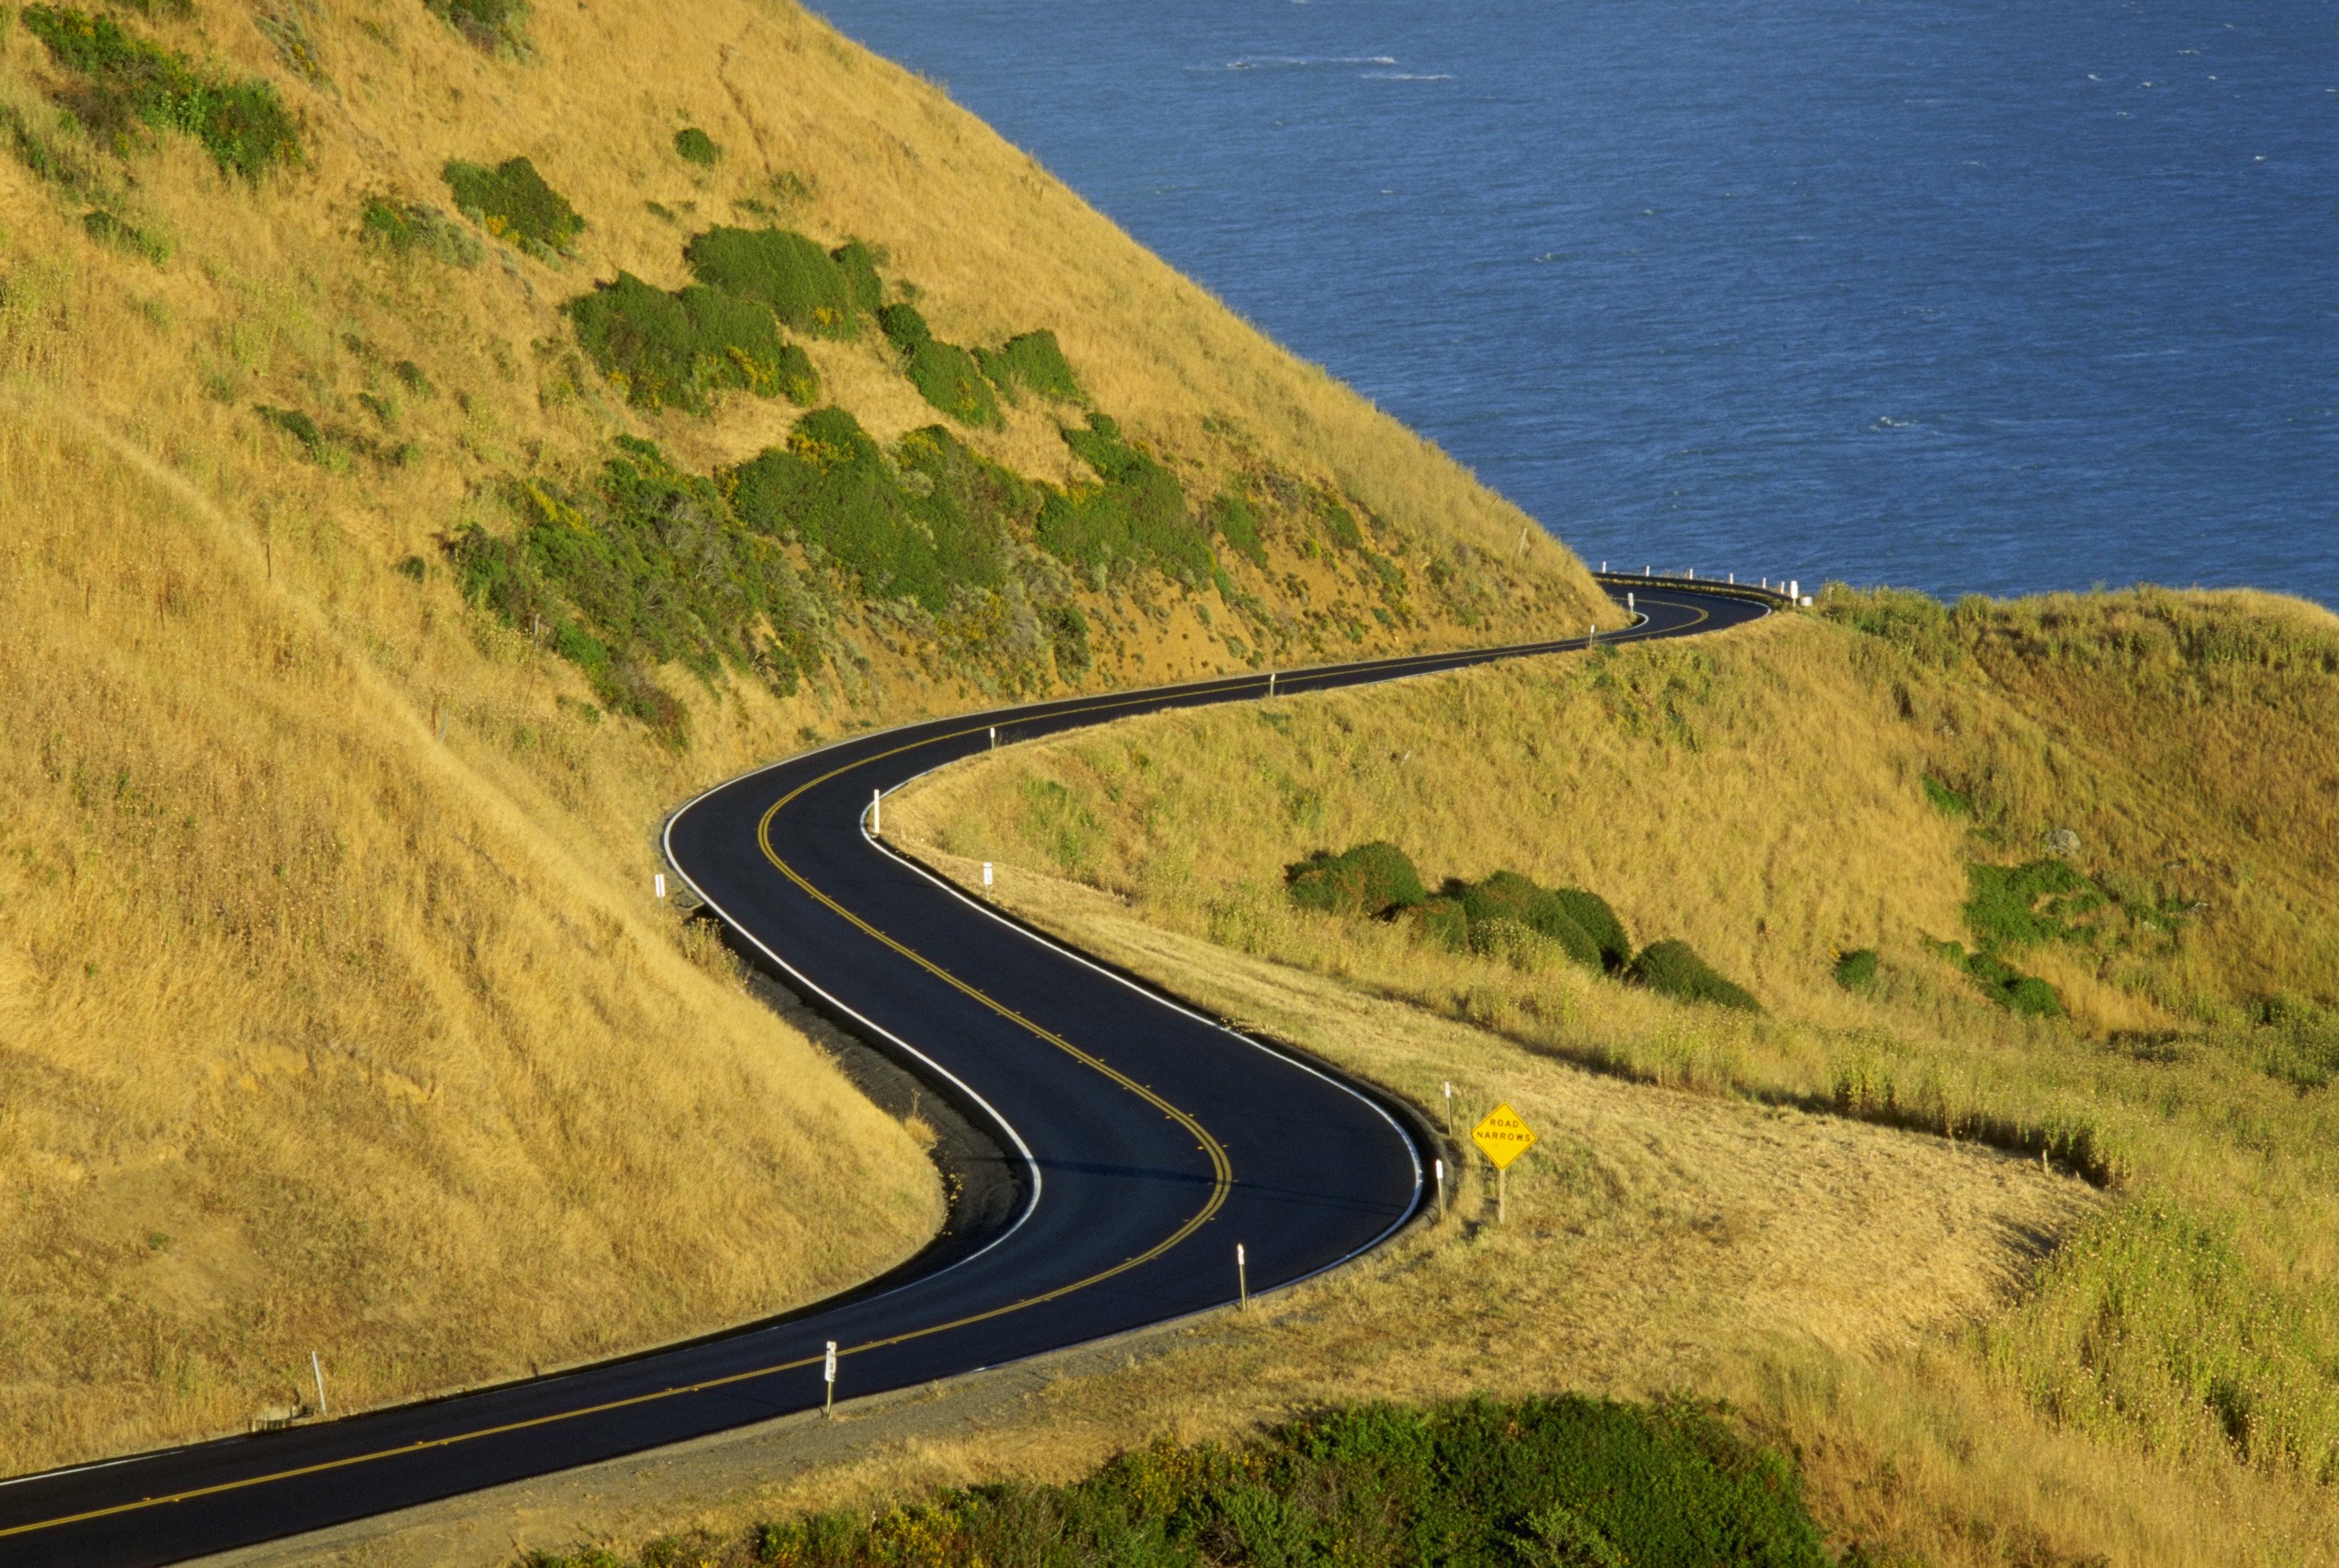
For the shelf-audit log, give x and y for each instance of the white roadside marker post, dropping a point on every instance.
(828, 1384)
(317, 1370)
(994, 737)
(876, 811)
(1449, 1108)
(1439, 1167)
(658, 881)
(1270, 683)
(1629, 609)
(986, 873)
(1243, 1277)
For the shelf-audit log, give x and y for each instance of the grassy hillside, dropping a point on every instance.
(438, 436)
(2052, 877)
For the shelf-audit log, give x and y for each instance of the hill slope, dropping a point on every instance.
(2054, 876)
(438, 437)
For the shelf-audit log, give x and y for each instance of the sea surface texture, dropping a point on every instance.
(1986, 297)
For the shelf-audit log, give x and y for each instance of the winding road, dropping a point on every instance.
(1138, 1142)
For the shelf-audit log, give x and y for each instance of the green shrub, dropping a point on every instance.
(1369, 878)
(904, 327)
(299, 427)
(801, 283)
(1593, 916)
(60, 164)
(411, 376)
(408, 227)
(1947, 801)
(1912, 620)
(2002, 983)
(1033, 361)
(1517, 944)
(1856, 970)
(108, 230)
(673, 349)
(947, 377)
(1536, 1484)
(1068, 634)
(1236, 524)
(1442, 920)
(2021, 906)
(693, 146)
(859, 261)
(1507, 896)
(649, 566)
(513, 202)
(1341, 524)
(1673, 969)
(128, 82)
(1137, 517)
(491, 27)
(832, 488)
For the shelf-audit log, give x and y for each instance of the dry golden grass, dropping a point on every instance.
(333, 1011)
(1759, 795)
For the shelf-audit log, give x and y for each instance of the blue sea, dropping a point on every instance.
(1963, 295)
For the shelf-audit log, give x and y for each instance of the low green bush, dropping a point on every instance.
(1341, 524)
(1442, 920)
(932, 522)
(947, 377)
(648, 566)
(513, 202)
(858, 260)
(1945, 799)
(416, 228)
(128, 82)
(299, 427)
(108, 230)
(1598, 921)
(61, 163)
(693, 145)
(801, 283)
(904, 327)
(1068, 634)
(1033, 361)
(1136, 517)
(1368, 879)
(1673, 969)
(491, 27)
(1235, 522)
(1507, 896)
(1517, 944)
(1856, 970)
(1533, 1483)
(664, 349)
(2021, 906)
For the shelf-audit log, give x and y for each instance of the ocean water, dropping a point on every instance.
(1963, 295)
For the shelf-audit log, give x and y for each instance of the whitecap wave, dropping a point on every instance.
(1407, 75)
(1304, 61)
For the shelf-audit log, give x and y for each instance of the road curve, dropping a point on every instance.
(1143, 1140)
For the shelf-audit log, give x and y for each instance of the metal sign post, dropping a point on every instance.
(1502, 1136)
(1242, 1279)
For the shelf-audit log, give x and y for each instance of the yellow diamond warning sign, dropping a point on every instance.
(1502, 1136)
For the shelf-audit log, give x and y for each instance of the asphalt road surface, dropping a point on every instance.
(1140, 1143)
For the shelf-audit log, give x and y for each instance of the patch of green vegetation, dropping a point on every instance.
(416, 228)
(127, 82)
(2023, 905)
(411, 376)
(1441, 920)
(490, 26)
(947, 377)
(299, 427)
(1508, 896)
(1370, 879)
(1033, 361)
(108, 230)
(2003, 984)
(1535, 1483)
(930, 522)
(58, 162)
(1137, 517)
(513, 202)
(1068, 635)
(1945, 799)
(904, 327)
(2295, 1040)
(1598, 921)
(648, 566)
(1673, 968)
(693, 145)
(662, 349)
(1235, 522)
(1857, 970)
(803, 285)
(858, 260)
(1340, 523)
(1914, 621)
